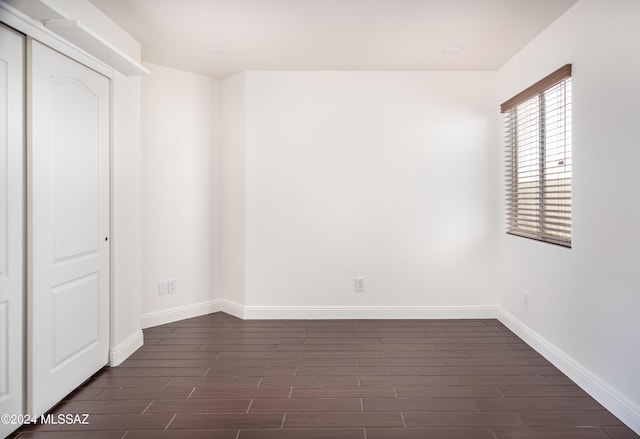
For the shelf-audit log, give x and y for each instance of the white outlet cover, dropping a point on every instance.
(171, 286)
(163, 288)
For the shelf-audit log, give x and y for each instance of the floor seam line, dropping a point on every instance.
(147, 407)
(174, 416)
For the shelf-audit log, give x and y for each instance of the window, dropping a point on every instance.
(538, 160)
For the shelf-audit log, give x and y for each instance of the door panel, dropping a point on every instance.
(75, 207)
(81, 293)
(12, 194)
(68, 159)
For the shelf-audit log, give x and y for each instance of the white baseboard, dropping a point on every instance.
(179, 313)
(614, 401)
(368, 312)
(123, 350)
(230, 307)
(316, 312)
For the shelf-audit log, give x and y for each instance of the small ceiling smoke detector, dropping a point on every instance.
(214, 49)
(453, 50)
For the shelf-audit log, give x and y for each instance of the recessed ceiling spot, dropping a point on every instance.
(453, 50)
(214, 49)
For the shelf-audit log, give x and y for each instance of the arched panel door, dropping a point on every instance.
(68, 221)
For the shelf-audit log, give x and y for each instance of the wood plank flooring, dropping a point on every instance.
(217, 376)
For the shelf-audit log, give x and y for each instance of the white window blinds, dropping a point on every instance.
(538, 160)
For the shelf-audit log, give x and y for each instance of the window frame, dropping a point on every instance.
(539, 207)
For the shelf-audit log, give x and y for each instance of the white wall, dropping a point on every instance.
(180, 139)
(215, 188)
(233, 189)
(385, 175)
(125, 331)
(584, 301)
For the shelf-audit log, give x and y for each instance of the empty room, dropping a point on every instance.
(339, 219)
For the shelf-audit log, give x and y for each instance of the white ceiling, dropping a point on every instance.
(331, 34)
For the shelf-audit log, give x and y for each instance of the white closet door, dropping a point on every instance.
(11, 224)
(68, 220)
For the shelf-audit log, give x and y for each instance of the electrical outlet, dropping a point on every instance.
(358, 284)
(171, 286)
(162, 288)
(525, 297)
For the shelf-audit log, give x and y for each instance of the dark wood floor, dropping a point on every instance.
(220, 377)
